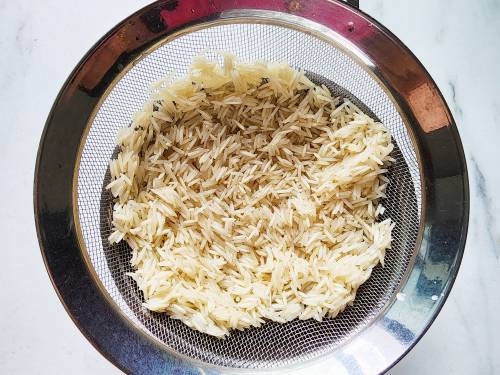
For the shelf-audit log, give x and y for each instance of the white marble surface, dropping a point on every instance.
(40, 43)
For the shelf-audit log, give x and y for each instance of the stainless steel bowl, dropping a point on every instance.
(337, 45)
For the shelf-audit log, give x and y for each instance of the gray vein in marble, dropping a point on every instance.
(485, 199)
(456, 106)
(19, 33)
(485, 308)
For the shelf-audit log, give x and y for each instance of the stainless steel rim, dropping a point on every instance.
(445, 201)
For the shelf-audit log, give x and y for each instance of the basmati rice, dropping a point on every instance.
(248, 193)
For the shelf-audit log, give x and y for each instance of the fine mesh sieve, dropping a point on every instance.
(335, 45)
(273, 344)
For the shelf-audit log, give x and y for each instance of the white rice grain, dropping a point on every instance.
(247, 193)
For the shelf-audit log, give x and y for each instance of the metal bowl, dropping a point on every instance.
(338, 45)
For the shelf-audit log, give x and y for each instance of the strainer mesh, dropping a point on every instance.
(272, 345)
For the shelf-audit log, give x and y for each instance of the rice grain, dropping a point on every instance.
(247, 193)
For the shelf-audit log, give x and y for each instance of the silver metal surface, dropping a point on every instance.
(336, 45)
(273, 345)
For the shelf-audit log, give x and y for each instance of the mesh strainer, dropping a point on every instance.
(336, 45)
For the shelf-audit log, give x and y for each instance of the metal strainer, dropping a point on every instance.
(336, 45)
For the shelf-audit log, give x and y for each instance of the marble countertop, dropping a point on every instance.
(41, 42)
